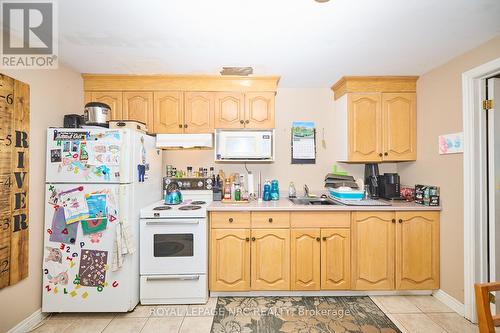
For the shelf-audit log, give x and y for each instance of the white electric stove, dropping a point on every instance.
(173, 250)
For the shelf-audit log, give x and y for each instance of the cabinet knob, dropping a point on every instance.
(231, 220)
(180, 125)
(386, 153)
(318, 239)
(270, 220)
(400, 221)
(324, 239)
(247, 121)
(393, 220)
(185, 126)
(380, 154)
(242, 121)
(247, 239)
(253, 239)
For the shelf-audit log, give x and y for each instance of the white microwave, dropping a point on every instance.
(244, 145)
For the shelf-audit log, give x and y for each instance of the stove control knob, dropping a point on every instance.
(156, 214)
(179, 183)
(200, 184)
(209, 181)
(209, 187)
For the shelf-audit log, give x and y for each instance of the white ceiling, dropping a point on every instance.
(309, 44)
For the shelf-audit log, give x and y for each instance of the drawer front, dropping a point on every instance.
(174, 289)
(270, 219)
(320, 219)
(229, 220)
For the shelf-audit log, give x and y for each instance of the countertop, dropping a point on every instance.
(285, 204)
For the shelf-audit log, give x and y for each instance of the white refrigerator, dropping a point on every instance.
(97, 180)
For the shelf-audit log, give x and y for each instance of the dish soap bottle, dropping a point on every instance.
(275, 190)
(292, 192)
(266, 196)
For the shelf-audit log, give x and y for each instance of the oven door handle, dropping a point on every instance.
(173, 278)
(171, 222)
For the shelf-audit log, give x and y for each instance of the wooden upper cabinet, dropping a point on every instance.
(198, 112)
(111, 98)
(259, 110)
(364, 127)
(270, 259)
(305, 259)
(373, 250)
(230, 260)
(399, 124)
(335, 259)
(417, 250)
(229, 110)
(168, 112)
(138, 106)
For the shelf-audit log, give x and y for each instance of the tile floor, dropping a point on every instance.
(412, 314)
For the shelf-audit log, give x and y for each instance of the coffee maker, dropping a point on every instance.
(389, 186)
(371, 179)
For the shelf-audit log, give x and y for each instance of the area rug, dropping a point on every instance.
(300, 314)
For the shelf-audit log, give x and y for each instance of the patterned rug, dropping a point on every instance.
(300, 314)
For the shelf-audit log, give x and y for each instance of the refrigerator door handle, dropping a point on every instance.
(173, 278)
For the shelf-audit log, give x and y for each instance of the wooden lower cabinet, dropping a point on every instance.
(373, 250)
(335, 259)
(230, 259)
(305, 259)
(417, 250)
(270, 259)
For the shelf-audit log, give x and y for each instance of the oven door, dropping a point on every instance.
(173, 246)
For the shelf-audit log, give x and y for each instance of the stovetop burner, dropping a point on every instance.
(162, 208)
(199, 202)
(189, 207)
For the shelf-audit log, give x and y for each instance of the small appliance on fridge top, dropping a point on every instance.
(96, 182)
(174, 245)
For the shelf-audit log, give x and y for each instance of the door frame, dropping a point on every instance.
(475, 181)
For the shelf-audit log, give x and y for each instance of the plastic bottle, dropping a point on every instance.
(237, 192)
(275, 190)
(266, 196)
(227, 190)
(292, 192)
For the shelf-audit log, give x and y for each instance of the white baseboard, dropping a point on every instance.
(29, 322)
(450, 301)
(319, 293)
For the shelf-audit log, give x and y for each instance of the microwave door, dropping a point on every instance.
(241, 147)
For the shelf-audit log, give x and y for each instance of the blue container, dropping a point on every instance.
(266, 196)
(275, 190)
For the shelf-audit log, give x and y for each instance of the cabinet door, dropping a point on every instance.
(111, 98)
(229, 110)
(230, 259)
(305, 259)
(373, 250)
(335, 259)
(198, 112)
(259, 110)
(138, 106)
(168, 112)
(399, 126)
(417, 250)
(270, 259)
(364, 127)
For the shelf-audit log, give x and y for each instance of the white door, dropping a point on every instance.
(79, 237)
(494, 183)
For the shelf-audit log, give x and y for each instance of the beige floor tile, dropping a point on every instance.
(125, 325)
(418, 323)
(168, 310)
(140, 311)
(196, 325)
(453, 323)
(397, 322)
(429, 304)
(53, 326)
(95, 325)
(396, 304)
(163, 325)
(379, 304)
(203, 310)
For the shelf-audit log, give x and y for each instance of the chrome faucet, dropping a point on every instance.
(306, 191)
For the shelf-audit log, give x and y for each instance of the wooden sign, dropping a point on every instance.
(14, 180)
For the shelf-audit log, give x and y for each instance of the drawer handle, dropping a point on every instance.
(386, 153)
(270, 220)
(380, 155)
(393, 220)
(253, 239)
(318, 239)
(180, 125)
(231, 220)
(242, 121)
(400, 221)
(324, 239)
(185, 126)
(247, 122)
(247, 239)
(173, 278)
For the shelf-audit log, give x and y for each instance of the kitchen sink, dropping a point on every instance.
(312, 201)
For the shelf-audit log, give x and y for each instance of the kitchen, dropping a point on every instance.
(190, 252)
